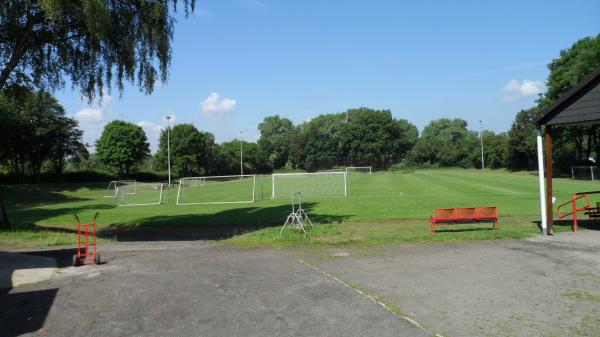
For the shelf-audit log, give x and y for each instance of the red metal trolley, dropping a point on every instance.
(86, 243)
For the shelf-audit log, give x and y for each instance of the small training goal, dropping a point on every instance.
(141, 194)
(359, 169)
(585, 172)
(319, 184)
(216, 190)
(113, 187)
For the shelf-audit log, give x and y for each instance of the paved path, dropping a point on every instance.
(194, 289)
(491, 288)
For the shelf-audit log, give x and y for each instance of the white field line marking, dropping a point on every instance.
(373, 299)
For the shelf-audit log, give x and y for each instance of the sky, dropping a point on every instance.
(235, 62)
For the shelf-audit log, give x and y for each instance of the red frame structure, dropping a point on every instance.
(448, 216)
(592, 212)
(86, 241)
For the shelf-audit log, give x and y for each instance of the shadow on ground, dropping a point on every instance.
(25, 312)
(565, 225)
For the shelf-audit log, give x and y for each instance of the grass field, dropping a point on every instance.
(381, 208)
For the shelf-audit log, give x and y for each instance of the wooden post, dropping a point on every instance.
(549, 191)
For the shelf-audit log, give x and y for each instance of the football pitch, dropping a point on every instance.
(386, 201)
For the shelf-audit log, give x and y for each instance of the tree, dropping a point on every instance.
(93, 42)
(276, 136)
(35, 130)
(446, 142)
(122, 145)
(187, 148)
(496, 150)
(373, 137)
(522, 140)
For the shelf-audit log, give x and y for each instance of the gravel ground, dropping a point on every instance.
(496, 288)
(194, 289)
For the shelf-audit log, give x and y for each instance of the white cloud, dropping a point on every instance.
(514, 90)
(152, 131)
(89, 115)
(215, 108)
(92, 119)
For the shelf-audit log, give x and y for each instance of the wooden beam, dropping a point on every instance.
(549, 191)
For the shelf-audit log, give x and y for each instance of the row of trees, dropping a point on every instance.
(37, 136)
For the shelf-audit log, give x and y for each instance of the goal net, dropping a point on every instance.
(142, 194)
(359, 169)
(320, 184)
(585, 172)
(113, 187)
(216, 190)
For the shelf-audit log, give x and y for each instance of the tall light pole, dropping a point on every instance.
(168, 117)
(241, 154)
(481, 139)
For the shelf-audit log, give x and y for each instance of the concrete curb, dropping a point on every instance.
(20, 269)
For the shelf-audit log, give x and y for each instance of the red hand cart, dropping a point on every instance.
(86, 243)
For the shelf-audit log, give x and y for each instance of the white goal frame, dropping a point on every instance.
(116, 189)
(309, 174)
(590, 167)
(203, 179)
(160, 195)
(350, 168)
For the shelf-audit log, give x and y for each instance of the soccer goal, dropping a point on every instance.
(585, 172)
(359, 169)
(319, 184)
(216, 190)
(113, 187)
(142, 194)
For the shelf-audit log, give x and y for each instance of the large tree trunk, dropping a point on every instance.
(3, 215)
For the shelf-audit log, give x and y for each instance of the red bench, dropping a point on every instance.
(450, 216)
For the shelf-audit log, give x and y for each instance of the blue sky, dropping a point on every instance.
(237, 61)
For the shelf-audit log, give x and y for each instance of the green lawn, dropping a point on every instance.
(380, 208)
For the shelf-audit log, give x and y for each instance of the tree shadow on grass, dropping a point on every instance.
(29, 217)
(30, 195)
(216, 226)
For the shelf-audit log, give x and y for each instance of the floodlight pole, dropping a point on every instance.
(168, 117)
(241, 154)
(481, 139)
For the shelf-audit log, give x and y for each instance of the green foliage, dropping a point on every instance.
(357, 137)
(229, 158)
(276, 136)
(522, 139)
(188, 150)
(446, 142)
(93, 42)
(34, 130)
(496, 151)
(122, 145)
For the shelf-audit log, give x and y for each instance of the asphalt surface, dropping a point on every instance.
(194, 289)
(540, 287)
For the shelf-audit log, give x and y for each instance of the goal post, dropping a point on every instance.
(585, 173)
(113, 187)
(142, 194)
(359, 169)
(318, 184)
(234, 189)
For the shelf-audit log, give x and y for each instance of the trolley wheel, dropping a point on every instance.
(97, 259)
(75, 260)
